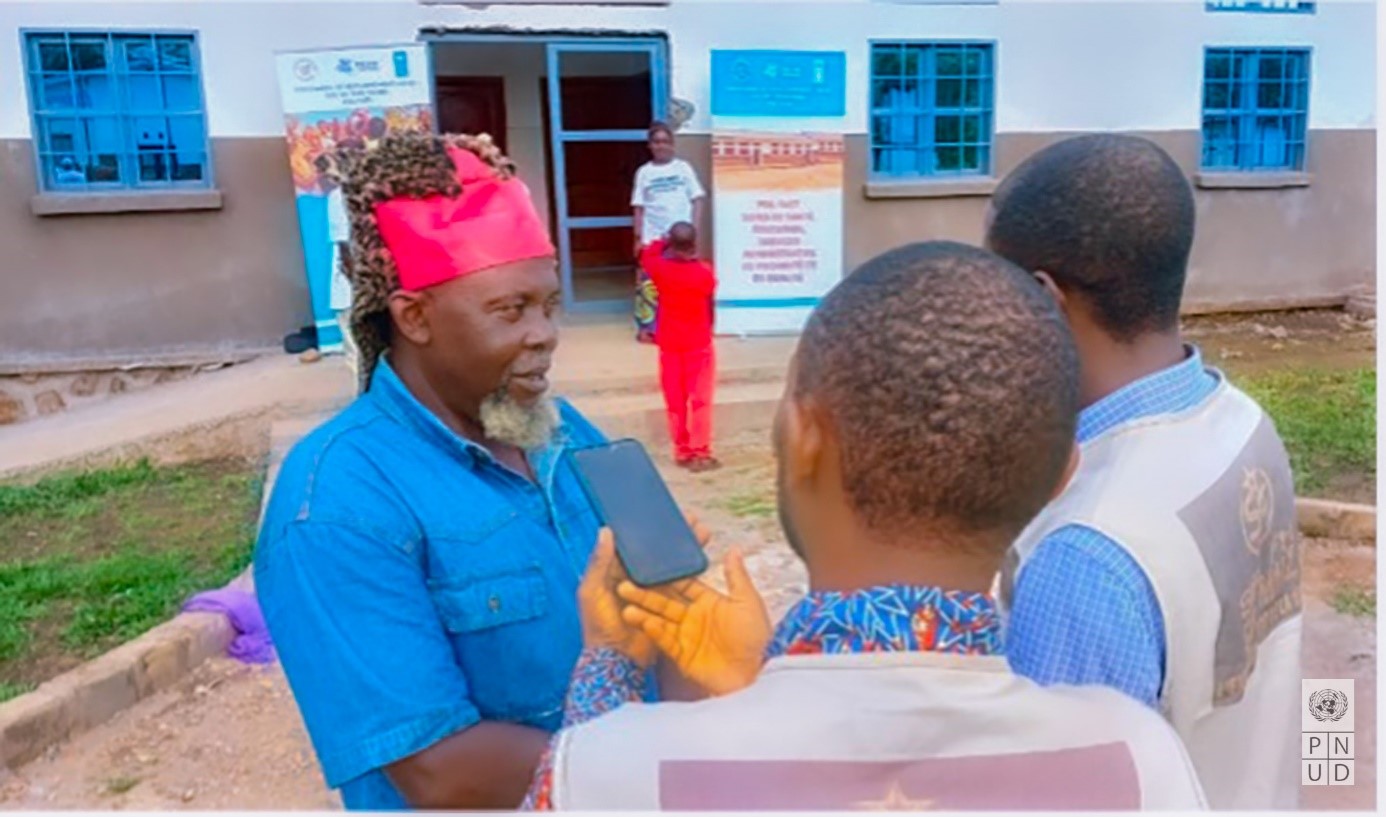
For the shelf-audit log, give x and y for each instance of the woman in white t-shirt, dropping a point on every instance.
(667, 191)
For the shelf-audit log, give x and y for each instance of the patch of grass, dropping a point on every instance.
(91, 560)
(1327, 419)
(755, 506)
(120, 785)
(1355, 601)
(10, 690)
(69, 494)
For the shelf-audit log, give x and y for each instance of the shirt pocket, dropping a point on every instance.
(482, 604)
(512, 644)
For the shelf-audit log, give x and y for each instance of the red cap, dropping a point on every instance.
(436, 239)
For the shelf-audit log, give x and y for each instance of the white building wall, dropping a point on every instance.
(1061, 66)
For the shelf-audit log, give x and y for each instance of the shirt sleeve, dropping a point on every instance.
(1085, 613)
(361, 642)
(695, 187)
(637, 190)
(603, 680)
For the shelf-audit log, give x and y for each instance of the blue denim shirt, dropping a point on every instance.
(414, 586)
(1084, 611)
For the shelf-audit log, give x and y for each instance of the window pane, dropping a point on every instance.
(59, 135)
(151, 145)
(51, 55)
(969, 158)
(972, 93)
(139, 54)
(887, 93)
(949, 159)
(89, 54)
(972, 130)
(885, 61)
(1270, 66)
(947, 130)
(1217, 95)
(104, 168)
(1216, 65)
(898, 129)
(1272, 133)
(1219, 141)
(180, 93)
(914, 58)
(95, 92)
(973, 62)
(175, 54)
(948, 62)
(949, 93)
(65, 170)
(1270, 95)
(144, 93)
(185, 133)
(187, 166)
(1298, 95)
(57, 92)
(103, 135)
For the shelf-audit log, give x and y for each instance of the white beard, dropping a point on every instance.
(528, 428)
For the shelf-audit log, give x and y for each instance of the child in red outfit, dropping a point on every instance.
(687, 368)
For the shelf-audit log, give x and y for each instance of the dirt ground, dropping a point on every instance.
(230, 736)
(1254, 343)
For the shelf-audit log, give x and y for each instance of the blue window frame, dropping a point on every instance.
(117, 110)
(1265, 6)
(1255, 108)
(931, 108)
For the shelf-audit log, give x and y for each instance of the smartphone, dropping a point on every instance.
(653, 539)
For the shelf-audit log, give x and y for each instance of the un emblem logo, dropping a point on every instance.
(1328, 705)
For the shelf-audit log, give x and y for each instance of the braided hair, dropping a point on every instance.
(405, 165)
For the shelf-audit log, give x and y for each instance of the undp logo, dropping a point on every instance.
(1329, 756)
(306, 70)
(1328, 705)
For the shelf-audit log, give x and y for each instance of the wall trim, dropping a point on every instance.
(938, 188)
(163, 201)
(1251, 180)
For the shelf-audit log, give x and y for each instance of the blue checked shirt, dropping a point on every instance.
(1083, 612)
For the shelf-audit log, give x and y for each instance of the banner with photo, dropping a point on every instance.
(777, 179)
(343, 97)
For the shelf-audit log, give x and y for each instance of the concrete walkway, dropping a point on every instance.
(232, 410)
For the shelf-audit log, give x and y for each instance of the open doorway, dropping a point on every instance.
(572, 112)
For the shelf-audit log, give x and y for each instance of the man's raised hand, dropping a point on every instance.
(716, 640)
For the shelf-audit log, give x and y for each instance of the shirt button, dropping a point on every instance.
(494, 603)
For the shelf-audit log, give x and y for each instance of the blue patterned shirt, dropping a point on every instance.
(1083, 611)
(893, 618)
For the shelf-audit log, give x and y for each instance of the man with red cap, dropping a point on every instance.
(419, 559)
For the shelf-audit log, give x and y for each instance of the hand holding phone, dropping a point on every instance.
(654, 541)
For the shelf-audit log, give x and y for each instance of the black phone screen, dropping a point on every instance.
(653, 539)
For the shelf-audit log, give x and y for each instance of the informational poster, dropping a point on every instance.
(343, 97)
(777, 185)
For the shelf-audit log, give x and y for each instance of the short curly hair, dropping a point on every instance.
(951, 380)
(1108, 216)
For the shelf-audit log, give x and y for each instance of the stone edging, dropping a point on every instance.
(93, 693)
(1336, 520)
(96, 691)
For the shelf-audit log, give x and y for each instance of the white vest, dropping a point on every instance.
(880, 731)
(1203, 500)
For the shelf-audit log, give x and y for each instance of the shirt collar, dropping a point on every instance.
(395, 399)
(1173, 389)
(890, 618)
